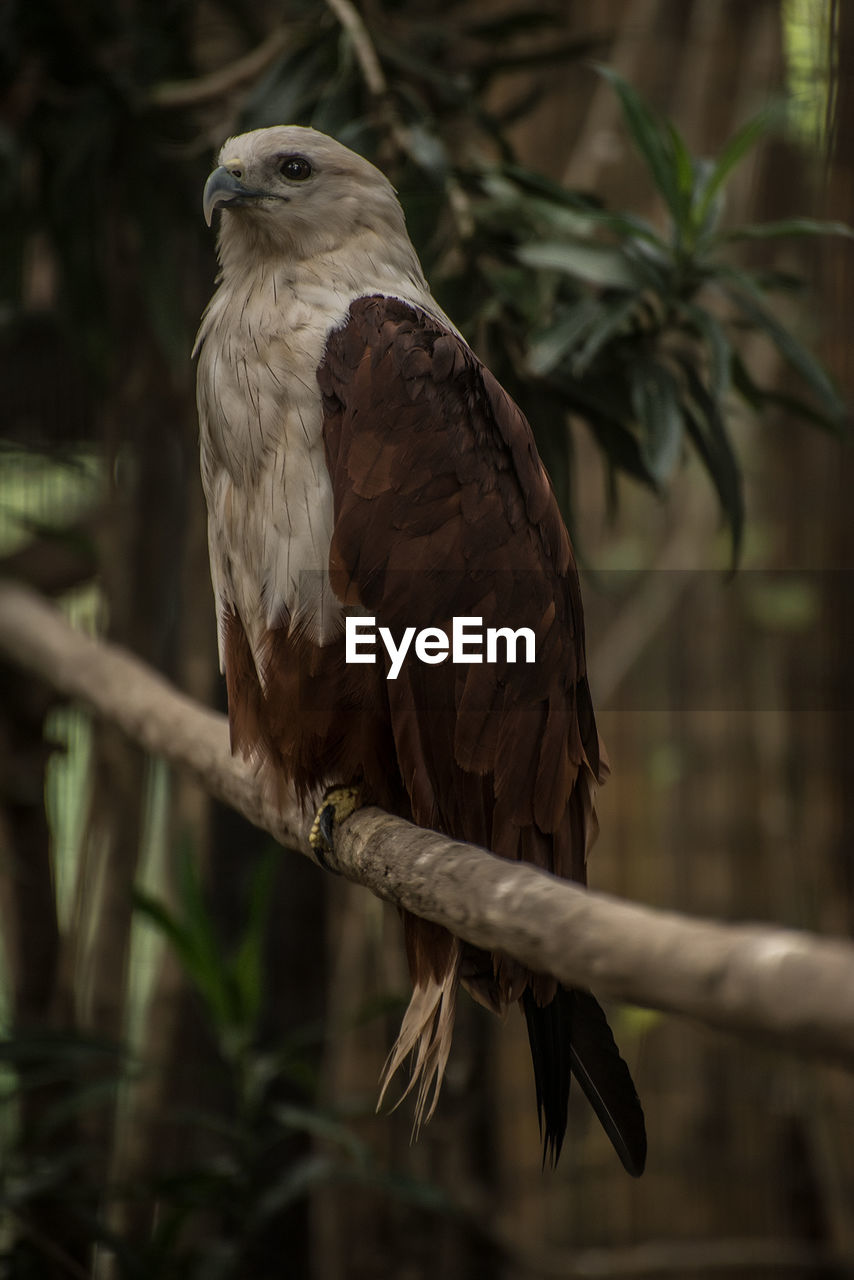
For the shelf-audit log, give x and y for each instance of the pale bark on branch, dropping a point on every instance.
(784, 986)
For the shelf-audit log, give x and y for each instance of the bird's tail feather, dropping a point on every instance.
(550, 1037)
(427, 1030)
(570, 1036)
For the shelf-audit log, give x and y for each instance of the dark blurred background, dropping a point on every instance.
(188, 1075)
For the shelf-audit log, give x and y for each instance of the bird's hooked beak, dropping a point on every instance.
(222, 187)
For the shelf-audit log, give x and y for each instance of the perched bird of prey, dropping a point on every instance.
(360, 463)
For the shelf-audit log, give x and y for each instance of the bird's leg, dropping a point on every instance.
(338, 804)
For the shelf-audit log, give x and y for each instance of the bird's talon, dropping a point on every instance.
(338, 804)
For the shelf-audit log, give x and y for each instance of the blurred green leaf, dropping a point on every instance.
(711, 332)
(306, 1120)
(619, 445)
(775, 280)
(659, 417)
(549, 348)
(423, 1194)
(760, 398)
(428, 151)
(193, 938)
(84, 1097)
(705, 214)
(248, 964)
(742, 142)
(785, 228)
(610, 322)
(597, 264)
(530, 182)
(741, 290)
(705, 425)
(683, 175)
(196, 961)
(629, 227)
(296, 1181)
(55, 1046)
(658, 143)
(231, 982)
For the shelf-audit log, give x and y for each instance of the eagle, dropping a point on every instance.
(361, 465)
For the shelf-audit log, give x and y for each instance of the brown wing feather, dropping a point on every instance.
(309, 718)
(443, 509)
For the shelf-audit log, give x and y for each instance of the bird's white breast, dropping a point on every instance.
(270, 509)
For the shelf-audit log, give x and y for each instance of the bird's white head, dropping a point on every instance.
(293, 192)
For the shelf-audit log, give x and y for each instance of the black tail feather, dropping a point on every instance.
(550, 1038)
(571, 1036)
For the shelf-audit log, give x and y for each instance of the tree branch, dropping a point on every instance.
(171, 94)
(353, 23)
(777, 984)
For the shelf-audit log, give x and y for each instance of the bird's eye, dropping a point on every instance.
(297, 168)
